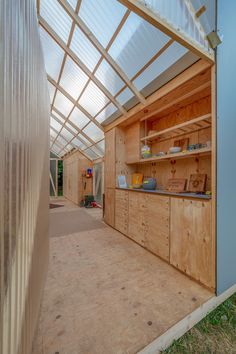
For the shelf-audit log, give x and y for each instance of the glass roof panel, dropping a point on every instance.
(73, 78)
(55, 124)
(93, 99)
(51, 90)
(63, 104)
(53, 54)
(93, 132)
(78, 118)
(111, 108)
(102, 17)
(84, 49)
(66, 134)
(109, 77)
(136, 44)
(168, 58)
(53, 13)
(125, 96)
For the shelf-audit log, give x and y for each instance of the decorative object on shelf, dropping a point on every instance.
(197, 183)
(122, 181)
(160, 153)
(182, 143)
(149, 183)
(174, 149)
(146, 151)
(176, 185)
(137, 180)
(87, 173)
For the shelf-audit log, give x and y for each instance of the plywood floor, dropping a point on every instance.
(105, 294)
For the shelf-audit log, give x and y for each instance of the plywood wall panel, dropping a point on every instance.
(110, 159)
(109, 215)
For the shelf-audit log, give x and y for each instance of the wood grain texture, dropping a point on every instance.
(191, 243)
(110, 151)
(109, 215)
(121, 211)
(132, 142)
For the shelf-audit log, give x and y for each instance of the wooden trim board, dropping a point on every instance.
(180, 328)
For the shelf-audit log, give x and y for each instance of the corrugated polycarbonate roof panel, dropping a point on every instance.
(55, 124)
(136, 44)
(109, 78)
(66, 134)
(125, 96)
(53, 13)
(63, 104)
(91, 154)
(78, 143)
(101, 145)
(84, 49)
(73, 78)
(68, 125)
(51, 90)
(106, 112)
(208, 18)
(78, 118)
(168, 58)
(102, 17)
(93, 99)
(93, 132)
(86, 141)
(53, 54)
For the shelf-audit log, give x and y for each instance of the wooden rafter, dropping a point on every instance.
(153, 18)
(100, 48)
(79, 132)
(82, 66)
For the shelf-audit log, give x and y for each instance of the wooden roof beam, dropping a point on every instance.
(82, 66)
(101, 49)
(153, 18)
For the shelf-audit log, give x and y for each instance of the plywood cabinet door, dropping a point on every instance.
(136, 225)
(132, 143)
(110, 160)
(109, 216)
(121, 211)
(192, 248)
(157, 219)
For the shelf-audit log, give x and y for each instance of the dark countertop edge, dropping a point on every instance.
(183, 195)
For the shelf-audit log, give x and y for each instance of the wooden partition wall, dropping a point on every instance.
(75, 185)
(24, 175)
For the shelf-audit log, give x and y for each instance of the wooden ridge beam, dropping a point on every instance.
(81, 24)
(153, 18)
(82, 66)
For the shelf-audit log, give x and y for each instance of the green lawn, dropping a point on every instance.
(216, 333)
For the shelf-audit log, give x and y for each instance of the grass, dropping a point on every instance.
(215, 334)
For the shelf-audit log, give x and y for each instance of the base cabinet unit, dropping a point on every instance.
(136, 224)
(157, 221)
(109, 215)
(191, 242)
(121, 211)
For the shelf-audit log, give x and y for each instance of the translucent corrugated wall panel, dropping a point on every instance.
(207, 19)
(84, 49)
(93, 132)
(24, 175)
(93, 99)
(179, 17)
(53, 54)
(168, 58)
(78, 118)
(53, 13)
(63, 104)
(111, 108)
(136, 44)
(73, 78)
(109, 78)
(102, 17)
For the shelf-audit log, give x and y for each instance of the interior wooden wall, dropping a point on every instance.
(75, 186)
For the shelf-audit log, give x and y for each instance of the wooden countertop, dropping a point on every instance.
(161, 192)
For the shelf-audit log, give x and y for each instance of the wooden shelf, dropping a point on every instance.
(176, 156)
(190, 126)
